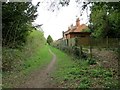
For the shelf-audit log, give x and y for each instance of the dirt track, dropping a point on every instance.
(41, 78)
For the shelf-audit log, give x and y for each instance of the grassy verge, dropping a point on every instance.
(80, 74)
(34, 55)
(40, 59)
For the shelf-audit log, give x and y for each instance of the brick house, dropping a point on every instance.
(76, 31)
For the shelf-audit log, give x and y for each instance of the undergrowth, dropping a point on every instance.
(81, 73)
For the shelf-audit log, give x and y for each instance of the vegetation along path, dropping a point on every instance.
(41, 78)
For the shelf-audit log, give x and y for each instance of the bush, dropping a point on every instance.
(91, 61)
(76, 52)
(12, 59)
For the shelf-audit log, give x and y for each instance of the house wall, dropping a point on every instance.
(79, 35)
(68, 36)
(72, 35)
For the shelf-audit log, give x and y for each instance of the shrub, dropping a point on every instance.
(91, 61)
(84, 82)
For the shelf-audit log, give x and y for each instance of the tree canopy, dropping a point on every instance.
(105, 19)
(49, 40)
(16, 22)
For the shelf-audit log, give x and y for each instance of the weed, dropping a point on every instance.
(84, 82)
(91, 61)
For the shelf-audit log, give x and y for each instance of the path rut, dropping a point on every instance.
(41, 78)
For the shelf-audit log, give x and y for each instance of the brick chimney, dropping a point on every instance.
(63, 33)
(68, 28)
(71, 25)
(77, 22)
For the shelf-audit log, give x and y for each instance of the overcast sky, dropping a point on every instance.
(56, 22)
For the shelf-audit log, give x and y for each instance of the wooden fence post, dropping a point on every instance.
(80, 50)
(107, 42)
(90, 48)
(119, 61)
(90, 51)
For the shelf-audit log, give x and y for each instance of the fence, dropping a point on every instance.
(81, 45)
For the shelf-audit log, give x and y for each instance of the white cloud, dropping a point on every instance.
(55, 23)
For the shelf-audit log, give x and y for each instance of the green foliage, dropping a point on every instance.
(105, 19)
(20, 63)
(87, 30)
(16, 22)
(49, 40)
(85, 82)
(13, 58)
(91, 61)
(80, 74)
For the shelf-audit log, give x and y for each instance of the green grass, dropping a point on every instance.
(41, 58)
(80, 74)
(40, 55)
(34, 55)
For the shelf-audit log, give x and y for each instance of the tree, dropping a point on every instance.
(49, 40)
(16, 22)
(105, 19)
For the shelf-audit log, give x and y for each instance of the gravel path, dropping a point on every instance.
(41, 78)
